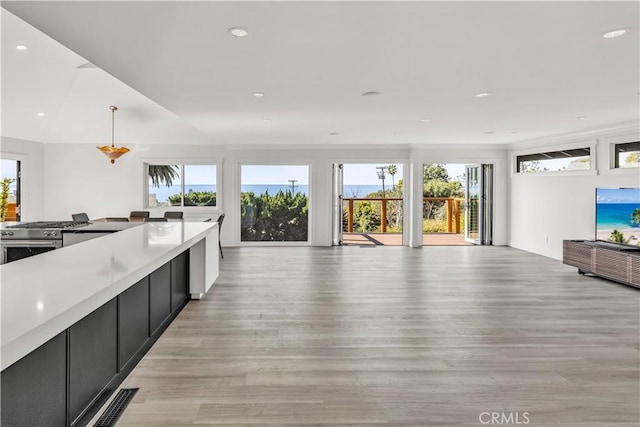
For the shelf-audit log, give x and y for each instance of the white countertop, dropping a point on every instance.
(43, 295)
(104, 227)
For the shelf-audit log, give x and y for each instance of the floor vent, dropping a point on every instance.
(117, 406)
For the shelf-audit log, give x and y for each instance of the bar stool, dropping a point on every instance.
(139, 214)
(80, 217)
(220, 219)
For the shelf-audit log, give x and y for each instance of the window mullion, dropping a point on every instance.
(182, 184)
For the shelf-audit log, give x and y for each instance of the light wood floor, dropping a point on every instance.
(393, 336)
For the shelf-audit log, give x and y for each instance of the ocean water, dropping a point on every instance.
(163, 193)
(615, 215)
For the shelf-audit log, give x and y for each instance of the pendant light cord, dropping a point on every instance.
(113, 120)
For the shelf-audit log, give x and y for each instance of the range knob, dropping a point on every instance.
(7, 233)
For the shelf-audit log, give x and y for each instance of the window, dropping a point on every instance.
(274, 203)
(10, 190)
(626, 155)
(181, 185)
(554, 161)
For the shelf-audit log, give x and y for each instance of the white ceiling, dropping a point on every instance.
(545, 64)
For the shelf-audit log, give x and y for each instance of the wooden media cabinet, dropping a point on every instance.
(608, 260)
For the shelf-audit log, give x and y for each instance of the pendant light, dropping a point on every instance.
(113, 152)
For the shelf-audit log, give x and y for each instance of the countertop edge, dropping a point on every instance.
(19, 347)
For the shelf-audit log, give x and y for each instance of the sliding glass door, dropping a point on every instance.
(479, 204)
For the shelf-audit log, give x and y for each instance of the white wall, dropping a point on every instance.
(547, 208)
(31, 156)
(81, 179)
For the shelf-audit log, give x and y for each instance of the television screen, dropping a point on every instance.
(618, 215)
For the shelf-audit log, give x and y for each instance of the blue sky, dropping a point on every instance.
(274, 174)
(618, 195)
(8, 170)
(354, 174)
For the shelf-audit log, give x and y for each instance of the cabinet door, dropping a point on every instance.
(93, 356)
(612, 265)
(578, 254)
(159, 296)
(34, 388)
(133, 320)
(179, 279)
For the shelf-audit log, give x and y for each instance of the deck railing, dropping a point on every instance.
(452, 219)
(10, 214)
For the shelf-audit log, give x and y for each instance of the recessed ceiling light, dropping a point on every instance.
(267, 120)
(258, 94)
(425, 120)
(488, 133)
(614, 33)
(581, 118)
(22, 47)
(40, 114)
(238, 32)
(333, 133)
(482, 94)
(371, 94)
(515, 132)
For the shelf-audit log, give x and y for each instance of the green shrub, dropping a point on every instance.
(282, 217)
(194, 198)
(366, 217)
(434, 225)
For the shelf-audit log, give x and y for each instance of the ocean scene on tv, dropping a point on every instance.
(618, 215)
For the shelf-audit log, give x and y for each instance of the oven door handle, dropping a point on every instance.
(23, 243)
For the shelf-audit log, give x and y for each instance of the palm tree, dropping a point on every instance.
(635, 217)
(393, 169)
(163, 174)
(618, 237)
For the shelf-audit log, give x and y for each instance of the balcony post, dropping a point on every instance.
(383, 216)
(449, 215)
(350, 217)
(457, 216)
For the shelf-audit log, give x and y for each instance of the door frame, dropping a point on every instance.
(485, 204)
(337, 185)
(406, 191)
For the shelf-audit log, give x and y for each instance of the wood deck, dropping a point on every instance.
(395, 337)
(395, 239)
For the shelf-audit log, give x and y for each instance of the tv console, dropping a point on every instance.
(608, 260)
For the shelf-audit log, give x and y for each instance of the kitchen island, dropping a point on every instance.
(76, 320)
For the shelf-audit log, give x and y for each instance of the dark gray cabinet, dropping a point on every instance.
(159, 296)
(42, 377)
(93, 350)
(179, 280)
(66, 380)
(133, 320)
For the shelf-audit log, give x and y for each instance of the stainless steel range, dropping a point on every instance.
(23, 240)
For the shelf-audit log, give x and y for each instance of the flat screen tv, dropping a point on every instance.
(618, 215)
